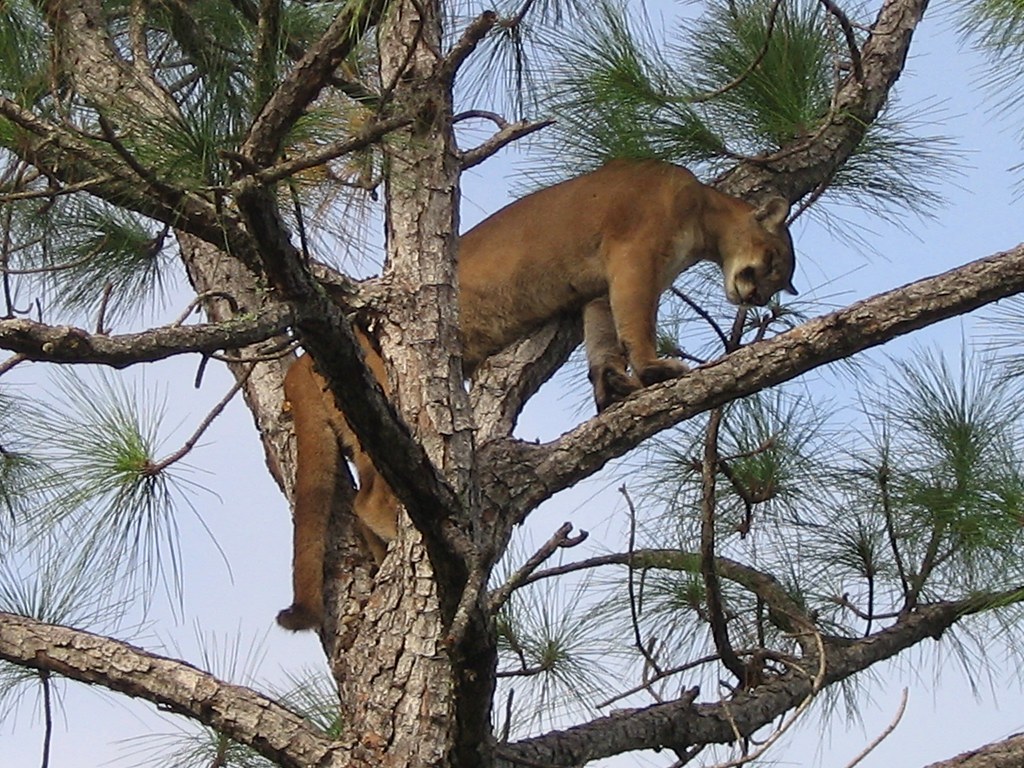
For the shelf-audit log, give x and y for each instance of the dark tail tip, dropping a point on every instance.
(297, 617)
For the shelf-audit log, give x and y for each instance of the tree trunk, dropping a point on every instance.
(409, 693)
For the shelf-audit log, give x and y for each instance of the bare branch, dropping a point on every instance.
(466, 44)
(189, 444)
(703, 97)
(851, 38)
(11, 361)
(507, 133)
(367, 135)
(884, 734)
(712, 589)
(241, 713)
(67, 344)
(560, 540)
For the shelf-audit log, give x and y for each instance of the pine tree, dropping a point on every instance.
(247, 147)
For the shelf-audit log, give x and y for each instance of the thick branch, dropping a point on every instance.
(680, 724)
(503, 384)
(799, 169)
(304, 82)
(241, 713)
(327, 335)
(67, 344)
(535, 472)
(1008, 753)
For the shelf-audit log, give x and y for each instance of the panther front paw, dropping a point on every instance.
(611, 385)
(662, 370)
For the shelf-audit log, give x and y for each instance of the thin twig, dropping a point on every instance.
(56, 267)
(750, 68)
(192, 305)
(368, 135)
(12, 361)
(704, 314)
(560, 540)
(44, 679)
(711, 657)
(157, 467)
(851, 38)
(890, 528)
(141, 171)
(506, 135)
(716, 612)
(49, 192)
(275, 352)
(472, 35)
(633, 611)
(712, 588)
(506, 728)
(480, 114)
(884, 734)
(816, 685)
(845, 602)
(108, 289)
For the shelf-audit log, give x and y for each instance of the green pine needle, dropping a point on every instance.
(103, 441)
(563, 644)
(25, 63)
(313, 694)
(956, 484)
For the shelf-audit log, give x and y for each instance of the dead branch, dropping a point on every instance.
(560, 540)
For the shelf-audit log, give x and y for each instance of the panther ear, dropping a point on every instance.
(773, 213)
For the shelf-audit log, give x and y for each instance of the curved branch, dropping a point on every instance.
(474, 32)
(507, 133)
(786, 612)
(241, 713)
(532, 473)
(680, 724)
(66, 344)
(798, 170)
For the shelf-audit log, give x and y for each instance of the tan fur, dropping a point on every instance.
(607, 243)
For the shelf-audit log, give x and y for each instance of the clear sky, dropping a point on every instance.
(249, 518)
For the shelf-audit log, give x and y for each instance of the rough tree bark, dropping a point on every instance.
(1008, 753)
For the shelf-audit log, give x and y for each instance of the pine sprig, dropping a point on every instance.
(103, 440)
